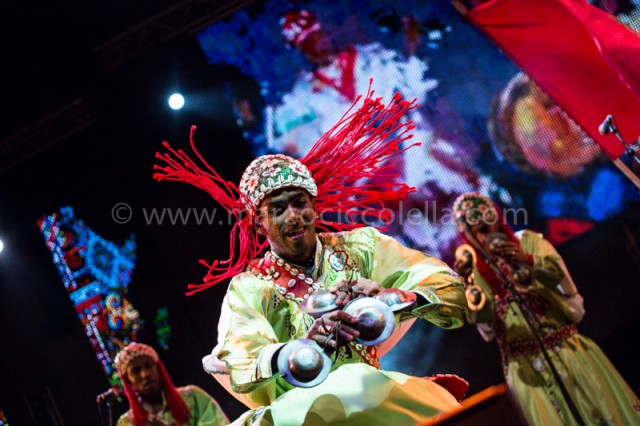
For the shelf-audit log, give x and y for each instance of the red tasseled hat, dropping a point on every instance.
(476, 208)
(297, 25)
(341, 163)
(176, 405)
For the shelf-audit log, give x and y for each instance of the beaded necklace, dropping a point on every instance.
(295, 285)
(289, 280)
(155, 417)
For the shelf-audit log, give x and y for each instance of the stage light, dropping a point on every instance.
(1, 246)
(176, 101)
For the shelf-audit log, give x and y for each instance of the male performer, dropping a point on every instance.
(154, 400)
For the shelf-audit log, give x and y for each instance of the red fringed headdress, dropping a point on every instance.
(477, 208)
(341, 163)
(176, 405)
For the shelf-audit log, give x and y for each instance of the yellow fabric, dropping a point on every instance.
(357, 394)
(598, 391)
(260, 318)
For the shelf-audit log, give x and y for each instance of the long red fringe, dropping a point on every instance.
(180, 168)
(176, 404)
(341, 162)
(355, 150)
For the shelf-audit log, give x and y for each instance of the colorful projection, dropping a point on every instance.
(96, 274)
(163, 329)
(484, 126)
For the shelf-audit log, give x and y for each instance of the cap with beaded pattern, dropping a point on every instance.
(475, 208)
(131, 352)
(273, 172)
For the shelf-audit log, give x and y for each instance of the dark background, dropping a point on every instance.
(48, 371)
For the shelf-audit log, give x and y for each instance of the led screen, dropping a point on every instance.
(96, 273)
(483, 124)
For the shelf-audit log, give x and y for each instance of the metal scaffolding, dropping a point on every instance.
(55, 127)
(185, 17)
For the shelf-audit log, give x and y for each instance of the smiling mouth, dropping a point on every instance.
(296, 234)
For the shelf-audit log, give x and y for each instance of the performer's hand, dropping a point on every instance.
(363, 287)
(366, 287)
(332, 329)
(512, 252)
(463, 264)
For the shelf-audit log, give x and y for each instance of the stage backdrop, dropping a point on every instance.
(484, 125)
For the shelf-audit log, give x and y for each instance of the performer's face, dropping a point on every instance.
(316, 47)
(287, 219)
(143, 374)
(482, 230)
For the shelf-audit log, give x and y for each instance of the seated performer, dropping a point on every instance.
(263, 319)
(154, 400)
(539, 276)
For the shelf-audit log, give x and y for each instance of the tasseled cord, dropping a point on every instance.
(179, 167)
(341, 162)
(355, 150)
(176, 404)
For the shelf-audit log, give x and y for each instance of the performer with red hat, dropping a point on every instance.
(153, 398)
(291, 364)
(595, 391)
(319, 96)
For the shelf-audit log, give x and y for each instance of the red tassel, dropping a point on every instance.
(176, 404)
(355, 150)
(342, 162)
(139, 415)
(180, 168)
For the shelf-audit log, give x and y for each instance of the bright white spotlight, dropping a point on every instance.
(1, 246)
(176, 101)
